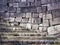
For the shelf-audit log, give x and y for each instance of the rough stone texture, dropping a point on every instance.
(54, 30)
(31, 16)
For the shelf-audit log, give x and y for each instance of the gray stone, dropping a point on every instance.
(36, 20)
(30, 20)
(39, 9)
(40, 29)
(18, 10)
(53, 6)
(23, 0)
(49, 16)
(12, 14)
(45, 23)
(37, 2)
(3, 8)
(56, 13)
(15, 5)
(30, 0)
(44, 1)
(10, 4)
(18, 19)
(22, 4)
(28, 15)
(34, 26)
(23, 25)
(24, 15)
(54, 30)
(11, 9)
(55, 21)
(16, 1)
(40, 15)
(35, 15)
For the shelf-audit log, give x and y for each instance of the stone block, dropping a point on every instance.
(34, 26)
(55, 21)
(54, 30)
(25, 20)
(53, 6)
(40, 15)
(37, 3)
(57, 27)
(51, 30)
(44, 29)
(7, 14)
(11, 14)
(18, 19)
(18, 10)
(35, 15)
(30, 0)
(10, 4)
(11, 19)
(44, 1)
(40, 29)
(45, 23)
(11, 9)
(3, 8)
(30, 20)
(39, 9)
(36, 20)
(40, 25)
(30, 4)
(16, 1)
(33, 10)
(56, 13)
(28, 15)
(15, 4)
(44, 17)
(22, 4)
(10, 1)
(23, 0)
(28, 25)
(23, 25)
(24, 14)
(49, 16)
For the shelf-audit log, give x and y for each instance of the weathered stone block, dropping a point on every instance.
(34, 26)
(40, 29)
(17, 1)
(54, 30)
(7, 14)
(10, 4)
(30, 0)
(36, 20)
(18, 10)
(55, 21)
(22, 4)
(28, 25)
(49, 16)
(35, 15)
(11, 9)
(23, 25)
(11, 19)
(30, 20)
(15, 5)
(24, 14)
(18, 19)
(28, 15)
(11, 14)
(45, 23)
(40, 15)
(39, 9)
